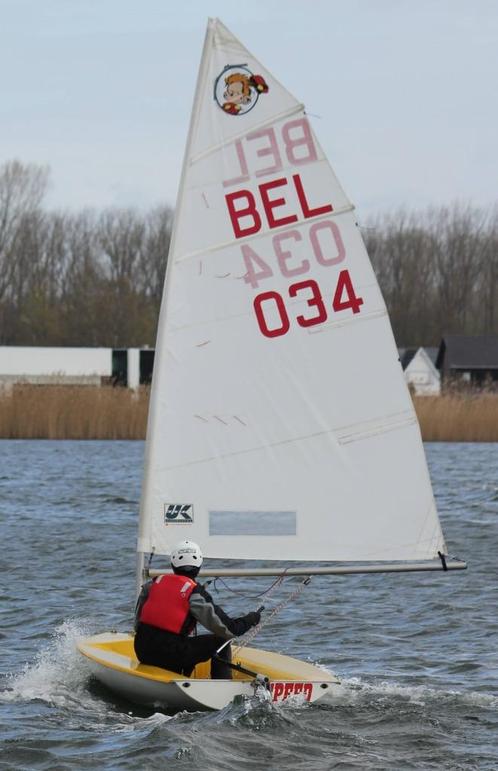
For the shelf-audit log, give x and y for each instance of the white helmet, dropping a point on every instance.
(186, 554)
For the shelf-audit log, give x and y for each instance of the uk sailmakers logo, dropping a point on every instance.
(237, 89)
(178, 513)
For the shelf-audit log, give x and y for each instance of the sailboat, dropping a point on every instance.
(281, 433)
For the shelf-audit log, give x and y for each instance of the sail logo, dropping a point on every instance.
(237, 89)
(178, 513)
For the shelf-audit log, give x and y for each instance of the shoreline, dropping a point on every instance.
(107, 413)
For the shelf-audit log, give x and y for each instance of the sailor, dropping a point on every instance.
(168, 610)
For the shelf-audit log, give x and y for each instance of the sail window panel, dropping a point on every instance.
(366, 500)
(264, 523)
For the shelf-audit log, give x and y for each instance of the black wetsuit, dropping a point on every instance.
(181, 652)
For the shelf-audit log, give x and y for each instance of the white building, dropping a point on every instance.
(420, 371)
(75, 366)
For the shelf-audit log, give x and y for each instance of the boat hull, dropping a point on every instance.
(112, 661)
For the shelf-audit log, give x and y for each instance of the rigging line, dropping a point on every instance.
(264, 593)
(276, 610)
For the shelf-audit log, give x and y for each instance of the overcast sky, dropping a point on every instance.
(403, 93)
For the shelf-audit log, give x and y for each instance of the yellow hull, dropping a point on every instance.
(113, 662)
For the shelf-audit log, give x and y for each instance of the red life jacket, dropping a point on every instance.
(167, 605)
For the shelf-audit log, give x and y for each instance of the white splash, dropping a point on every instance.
(58, 673)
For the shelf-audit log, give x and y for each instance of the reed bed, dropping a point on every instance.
(73, 412)
(458, 417)
(92, 412)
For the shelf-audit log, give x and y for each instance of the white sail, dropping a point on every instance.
(280, 425)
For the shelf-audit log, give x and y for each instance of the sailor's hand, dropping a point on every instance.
(253, 618)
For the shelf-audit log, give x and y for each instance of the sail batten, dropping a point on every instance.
(248, 239)
(279, 415)
(295, 110)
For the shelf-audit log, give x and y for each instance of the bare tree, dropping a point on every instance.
(22, 188)
(485, 306)
(400, 248)
(152, 266)
(437, 270)
(459, 236)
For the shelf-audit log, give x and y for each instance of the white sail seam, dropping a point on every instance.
(286, 170)
(365, 431)
(378, 552)
(356, 319)
(228, 48)
(241, 241)
(263, 124)
(293, 440)
(388, 551)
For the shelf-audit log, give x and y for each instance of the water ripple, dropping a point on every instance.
(418, 654)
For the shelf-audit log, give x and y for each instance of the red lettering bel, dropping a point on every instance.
(304, 203)
(269, 205)
(248, 211)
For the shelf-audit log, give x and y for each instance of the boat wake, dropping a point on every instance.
(355, 691)
(58, 675)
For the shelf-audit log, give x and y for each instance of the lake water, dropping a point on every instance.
(417, 653)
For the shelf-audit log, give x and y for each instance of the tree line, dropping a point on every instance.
(85, 278)
(438, 271)
(95, 278)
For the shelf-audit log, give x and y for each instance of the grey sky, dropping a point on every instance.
(405, 91)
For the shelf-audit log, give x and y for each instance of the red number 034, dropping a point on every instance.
(344, 299)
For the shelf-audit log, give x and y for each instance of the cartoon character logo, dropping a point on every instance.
(237, 90)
